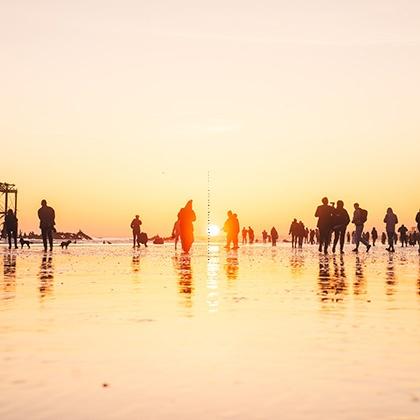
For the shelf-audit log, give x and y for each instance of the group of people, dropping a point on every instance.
(46, 215)
(333, 220)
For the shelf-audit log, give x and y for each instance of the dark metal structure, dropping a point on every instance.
(8, 200)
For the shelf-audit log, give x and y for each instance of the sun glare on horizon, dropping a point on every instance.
(213, 230)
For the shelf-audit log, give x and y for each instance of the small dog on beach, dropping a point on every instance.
(24, 242)
(143, 238)
(65, 244)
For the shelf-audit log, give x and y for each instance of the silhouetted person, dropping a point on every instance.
(383, 238)
(359, 219)
(312, 236)
(186, 218)
(228, 228)
(176, 232)
(403, 235)
(348, 237)
(274, 236)
(251, 235)
(264, 236)
(11, 226)
(341, 219)
(301, 233)
(231, 227)
(46, 216)
(235, 231)
(294, 231)
(374, 236)
(306, 235)
(390, 221)
(135, 226)
(418, 228)
(325, 215)
(244, 235)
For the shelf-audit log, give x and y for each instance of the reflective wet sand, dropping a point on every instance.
(104, 332)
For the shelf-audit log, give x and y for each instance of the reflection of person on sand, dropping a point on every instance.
(135, 226)
(186, 218)
(185, 277)
(46, 275)
(176, 231)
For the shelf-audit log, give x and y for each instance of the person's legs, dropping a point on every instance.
(358, 235)
(336, 237)
(50, 238)
(134, 239)
(15, 238)
(342, 239)
(9, 238)
(44, 238)
(390, 241)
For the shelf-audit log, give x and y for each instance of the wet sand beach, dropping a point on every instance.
(107, 332)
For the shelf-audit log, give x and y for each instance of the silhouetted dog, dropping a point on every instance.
(24, 242)
(143, 238)
(65, 244)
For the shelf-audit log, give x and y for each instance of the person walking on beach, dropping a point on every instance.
(176, 232)
(264, 236)
(274, 236)
(374, 236)
(244, 235)
(359, 220)
(418, 228)
(228, 228)
(390, 221)
(186, 218)
(403, 235)
(135, 226)
(251, 235)
(324, 213)
(383, 238)
(301, 233)
(235, 231)
(294, 230)
(11, 225)
(341, 219)
(46, 215)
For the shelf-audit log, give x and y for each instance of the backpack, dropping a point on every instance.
(363, 215)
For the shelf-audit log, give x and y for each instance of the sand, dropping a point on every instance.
(105, 332)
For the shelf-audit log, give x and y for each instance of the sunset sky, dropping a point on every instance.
(112, 108)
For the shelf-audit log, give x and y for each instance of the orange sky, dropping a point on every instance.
(111, 108)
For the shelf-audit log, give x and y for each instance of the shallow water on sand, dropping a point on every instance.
(105, 332)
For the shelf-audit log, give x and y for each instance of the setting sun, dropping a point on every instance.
(213, 230)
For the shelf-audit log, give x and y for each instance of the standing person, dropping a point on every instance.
(11, 225)
(374, 236)
(341, 219)
(135, 226)
(46, 215)
(301, 233)
(244, 235)
(324, 213)
(383, 238)
(312, 236)
(390, 221)
(348, 237)
(235, 231)
(251, 235)
(186, 218)
(403, 235)
(274, 236)
(176, 232)
(306, 235)
(359, 219)
(264, 236)
(418, 228)
(294, 230)
(228, 228)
